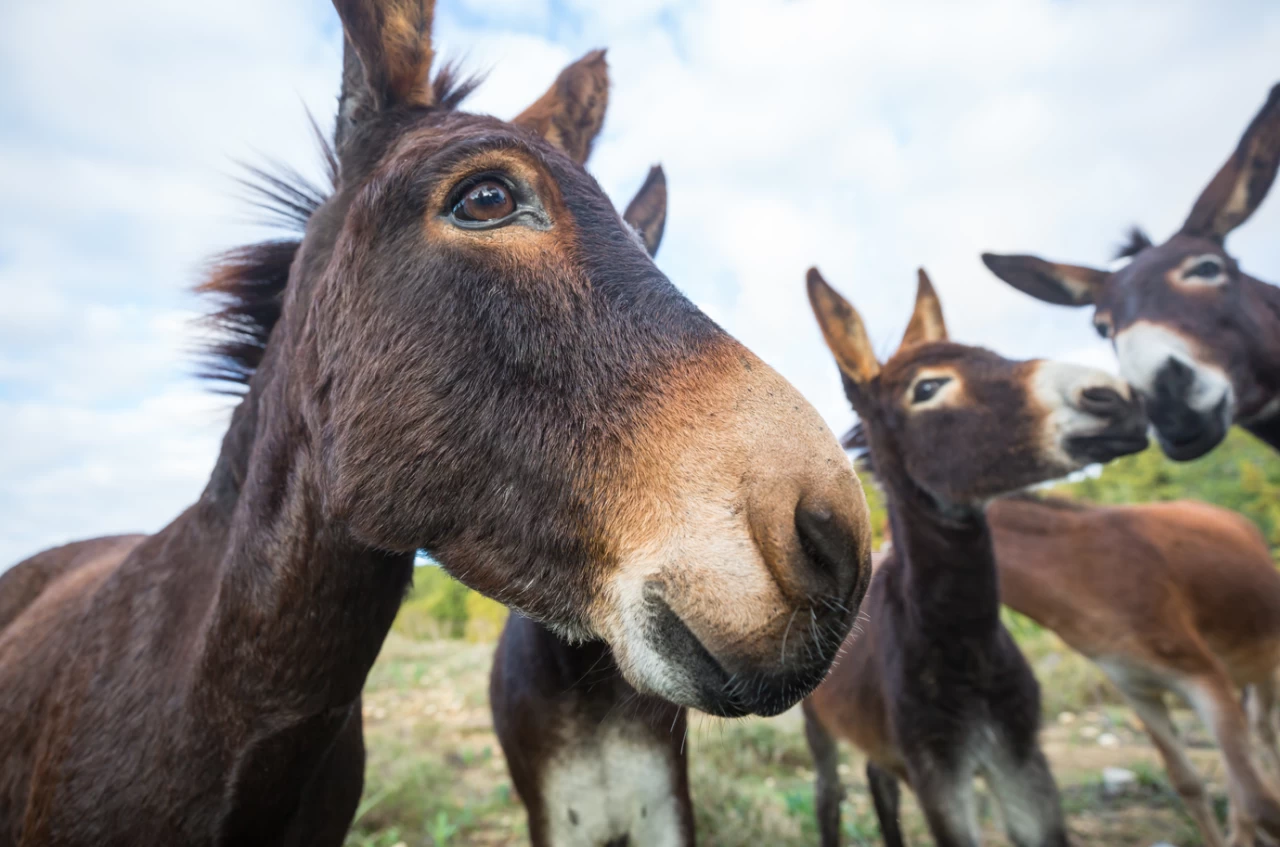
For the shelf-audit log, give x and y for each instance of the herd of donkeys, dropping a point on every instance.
(461, 346)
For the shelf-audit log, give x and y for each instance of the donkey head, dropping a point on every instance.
(490, 367)
(962, 424)
(1193, 333)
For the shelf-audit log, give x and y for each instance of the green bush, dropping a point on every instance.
(1242, 474)
(438, 606)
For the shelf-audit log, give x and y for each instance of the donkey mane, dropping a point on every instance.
(1135, 242)
(247, 283)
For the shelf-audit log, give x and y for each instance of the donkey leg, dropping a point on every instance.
(948, 802)
(1252, 802)
(1028, 798)
(1262, 708)
(885, 794)
(827, 790)
(1154, 714)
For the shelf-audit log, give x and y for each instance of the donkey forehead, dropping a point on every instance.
(1147, 282)
(957, 359)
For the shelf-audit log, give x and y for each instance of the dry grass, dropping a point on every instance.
(436, 775)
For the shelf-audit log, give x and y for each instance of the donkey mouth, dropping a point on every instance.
(1107, 446)
(1184, 435)
(715, 690)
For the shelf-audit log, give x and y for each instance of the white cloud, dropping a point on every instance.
(867, 138)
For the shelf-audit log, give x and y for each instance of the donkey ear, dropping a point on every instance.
(843, 330)
(1061, 285)
(926, 320)
(571, 113)
(392, 41)
(1238, 188)
(647, 211)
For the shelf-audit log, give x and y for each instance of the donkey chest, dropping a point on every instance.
(612, 786)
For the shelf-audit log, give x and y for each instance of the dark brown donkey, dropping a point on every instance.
(1196, 335)
(933, 688)
(595, 762)
(1178, 598)
(468, 351)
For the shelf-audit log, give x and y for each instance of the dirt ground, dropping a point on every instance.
(436, 775)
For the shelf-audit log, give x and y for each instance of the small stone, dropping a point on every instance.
(1089, 731)
(1066, 718)
(1108, 739)
(1117, 780)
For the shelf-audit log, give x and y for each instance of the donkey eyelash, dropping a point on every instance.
(460, 190)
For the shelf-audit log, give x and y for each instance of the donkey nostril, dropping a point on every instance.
(831, 549)
(1101, 398)
(1174, 379)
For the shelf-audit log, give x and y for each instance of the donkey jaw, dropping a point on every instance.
(659, 653)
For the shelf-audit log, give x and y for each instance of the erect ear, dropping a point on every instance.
(1061, 285)
(647, 211)
(391, 39)
(843, 330)
(1238, 188)
(926, 320)
(571, 113)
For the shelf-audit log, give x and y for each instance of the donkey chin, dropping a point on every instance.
(731, 637)
(1191, 403)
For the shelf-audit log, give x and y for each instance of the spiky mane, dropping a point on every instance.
(1135, 242)
(247, 284)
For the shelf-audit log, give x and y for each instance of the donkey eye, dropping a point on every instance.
(926, 388)
(1206, 269)
(485, 202)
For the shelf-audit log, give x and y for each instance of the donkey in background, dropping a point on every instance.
(594, 761)
(469, 352)
(1179, 598)
(1197, 336)
(931, 686)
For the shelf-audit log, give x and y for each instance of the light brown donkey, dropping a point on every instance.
(467, 351)
(1169, 597)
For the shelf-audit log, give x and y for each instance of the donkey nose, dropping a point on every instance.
(1174, 380)
(1105, 402)
(830, 549)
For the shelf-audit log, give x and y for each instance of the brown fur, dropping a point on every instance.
(1197, 379)
(931, 687)
(547, 429)
(558, 704)
(1179, 597)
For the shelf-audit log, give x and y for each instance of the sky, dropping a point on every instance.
(867, 138)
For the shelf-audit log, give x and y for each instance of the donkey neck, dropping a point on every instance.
(301, 608)
(949, 568)
(1263, 309)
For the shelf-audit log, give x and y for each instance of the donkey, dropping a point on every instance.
(594, 761)
(1197, 336)
(468, 352)
(933, 688)
(1178, 597)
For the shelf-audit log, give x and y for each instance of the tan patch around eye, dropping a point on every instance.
(950, 394)
(527, 245)
(1177, 275)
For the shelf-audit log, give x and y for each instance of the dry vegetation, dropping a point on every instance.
(436, 776)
